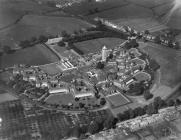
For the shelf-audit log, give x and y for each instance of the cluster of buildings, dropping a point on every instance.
(121, 68)
(148, 37)
(124, 128)
(141, 122)
(66, 3)
(126, 67)
(65, 65)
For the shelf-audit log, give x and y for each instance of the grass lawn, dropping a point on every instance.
(169, 61)
(37, 55)
(97, 44)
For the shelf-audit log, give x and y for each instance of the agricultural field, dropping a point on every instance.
(12, 10)
(37, 55)
(95, 45)
(85, 7)
(139, 17)
(34, 25)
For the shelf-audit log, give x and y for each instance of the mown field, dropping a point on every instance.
(37, 55)
(97, 44)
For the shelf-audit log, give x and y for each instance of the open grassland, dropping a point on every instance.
(37, 55)
(33, 25)
(169, 61)
(97, 44)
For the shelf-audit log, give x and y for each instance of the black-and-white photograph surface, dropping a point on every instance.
(90, 69)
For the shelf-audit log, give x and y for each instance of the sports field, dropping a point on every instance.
(117, 100)
(97, 44)
(51, 69)
(60, 99)
(37, 55)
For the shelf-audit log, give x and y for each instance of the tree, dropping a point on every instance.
(42, 38)
(108, 123)
(81, 105)
(65, 34)
(102, 101)
(136, 89)
(91, 12)
(33, 39)
(110, 56)
(76, 131)
(139, 111)
(178, 102)
(93, 127)
(6, 49)
(131, 113)
(100, 65)
(171, 103)
(146, 32)
(150, 109)
(121, 117)
(25, 43)
(177, 45)
(76, 33)
(96, 10)
(61, 44)
(99, 24)
(147, 95)
(51, 3)
(157, 39)
(158, 102)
